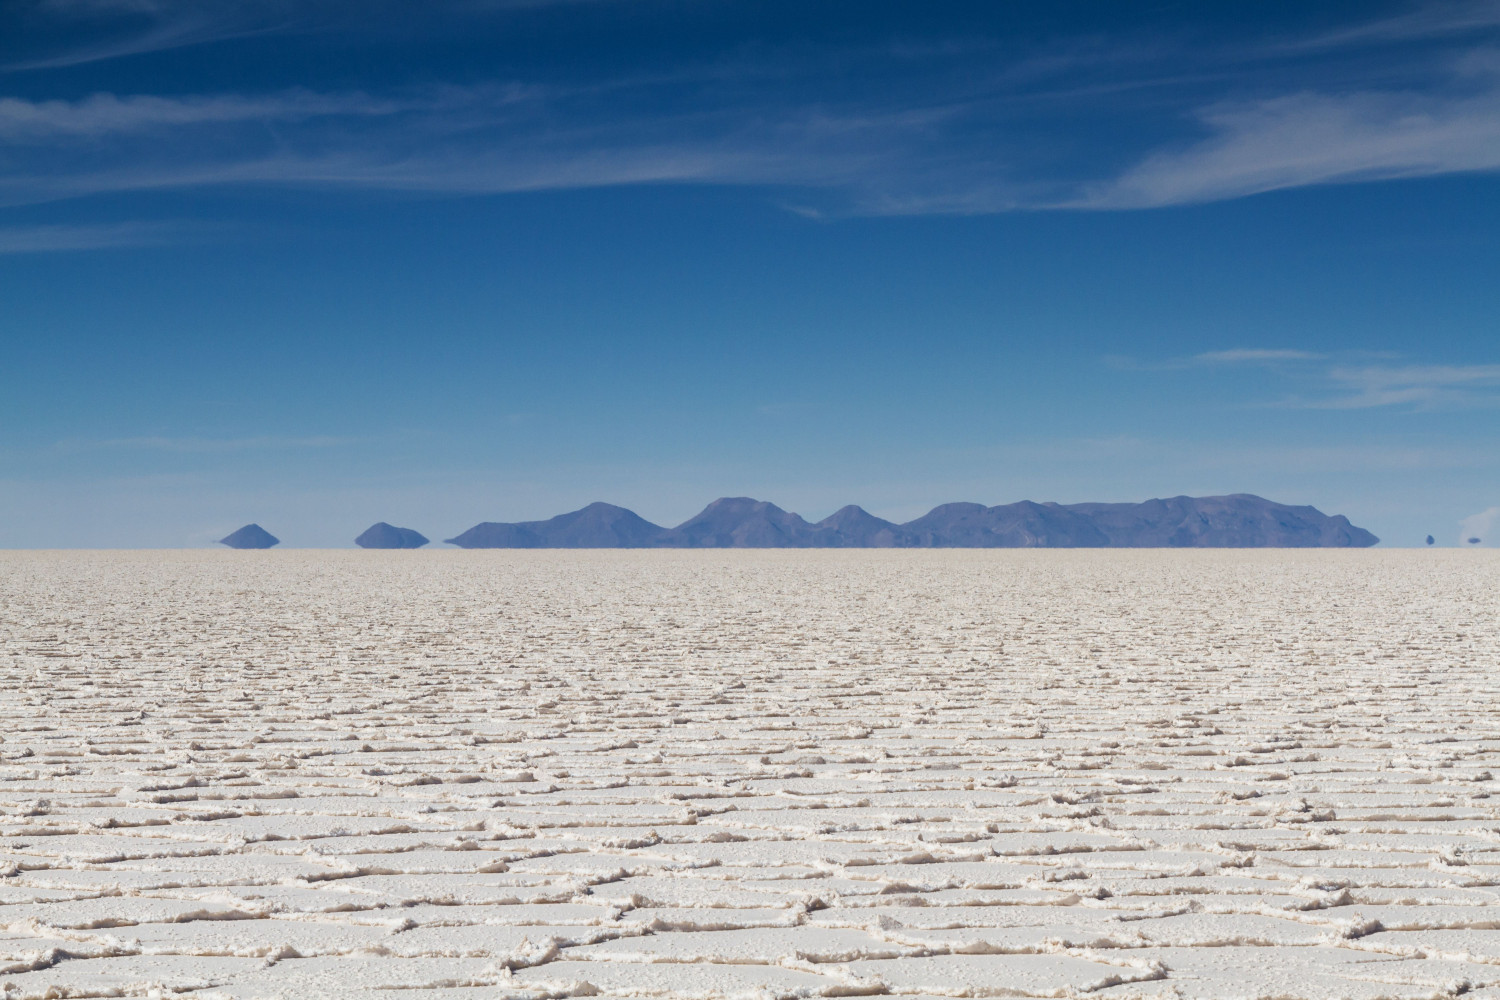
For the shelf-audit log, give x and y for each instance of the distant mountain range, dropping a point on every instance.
(1236, 521)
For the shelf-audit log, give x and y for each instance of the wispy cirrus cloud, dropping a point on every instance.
(888, 160)
(114, 29)
(122, 28)
(1344, 380)
(1414, 386)
(101, 116)
(1233, 356)
(1255, 355)
(204, 445)
(901, 136)
(1311, 138)
(456, 140)
(1431, 20)
(59, 238)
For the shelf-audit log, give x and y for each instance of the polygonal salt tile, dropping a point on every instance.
(1240, 973)
(357, 975)
(991, 940)
(21, 951)
(658, 919)
(126, 975)
(764, 945)
(996, 975)
(1212, 930)
(266, 938)
(1453, 977)
(527, 944)
(1460, 945)
(119, 911)
(689, 981)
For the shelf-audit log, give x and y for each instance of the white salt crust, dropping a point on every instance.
(454, 775)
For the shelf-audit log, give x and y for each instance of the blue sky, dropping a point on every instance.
(321, 263)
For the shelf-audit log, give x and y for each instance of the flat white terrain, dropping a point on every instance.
(772, 774)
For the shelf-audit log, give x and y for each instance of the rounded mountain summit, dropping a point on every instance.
(386, 536)
(251, 536)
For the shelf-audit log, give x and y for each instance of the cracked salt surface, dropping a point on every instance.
(1218, 775)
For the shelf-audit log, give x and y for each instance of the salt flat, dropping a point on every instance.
(718, 774)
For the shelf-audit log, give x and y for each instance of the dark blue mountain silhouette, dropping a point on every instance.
(386, 536)
(251, 536)
(597, 526)
(1236, 521)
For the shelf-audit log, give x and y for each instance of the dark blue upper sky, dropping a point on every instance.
(318, 263)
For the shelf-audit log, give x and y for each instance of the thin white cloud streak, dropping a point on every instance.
(451, 140)
(200, 445)
(146, 26)
(1340, 385)
(60, 238)
(1255, 355)
(1418, 386)
(170, 36)
(102, 115)
(1229, 357)
(1309, 139)
(1425, 21)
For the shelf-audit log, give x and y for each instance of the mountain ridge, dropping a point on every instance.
(1236, 520)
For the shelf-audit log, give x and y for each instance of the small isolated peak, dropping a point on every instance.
(251, 536)
(387, 536)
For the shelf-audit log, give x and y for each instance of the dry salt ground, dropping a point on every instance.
(466, 775)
